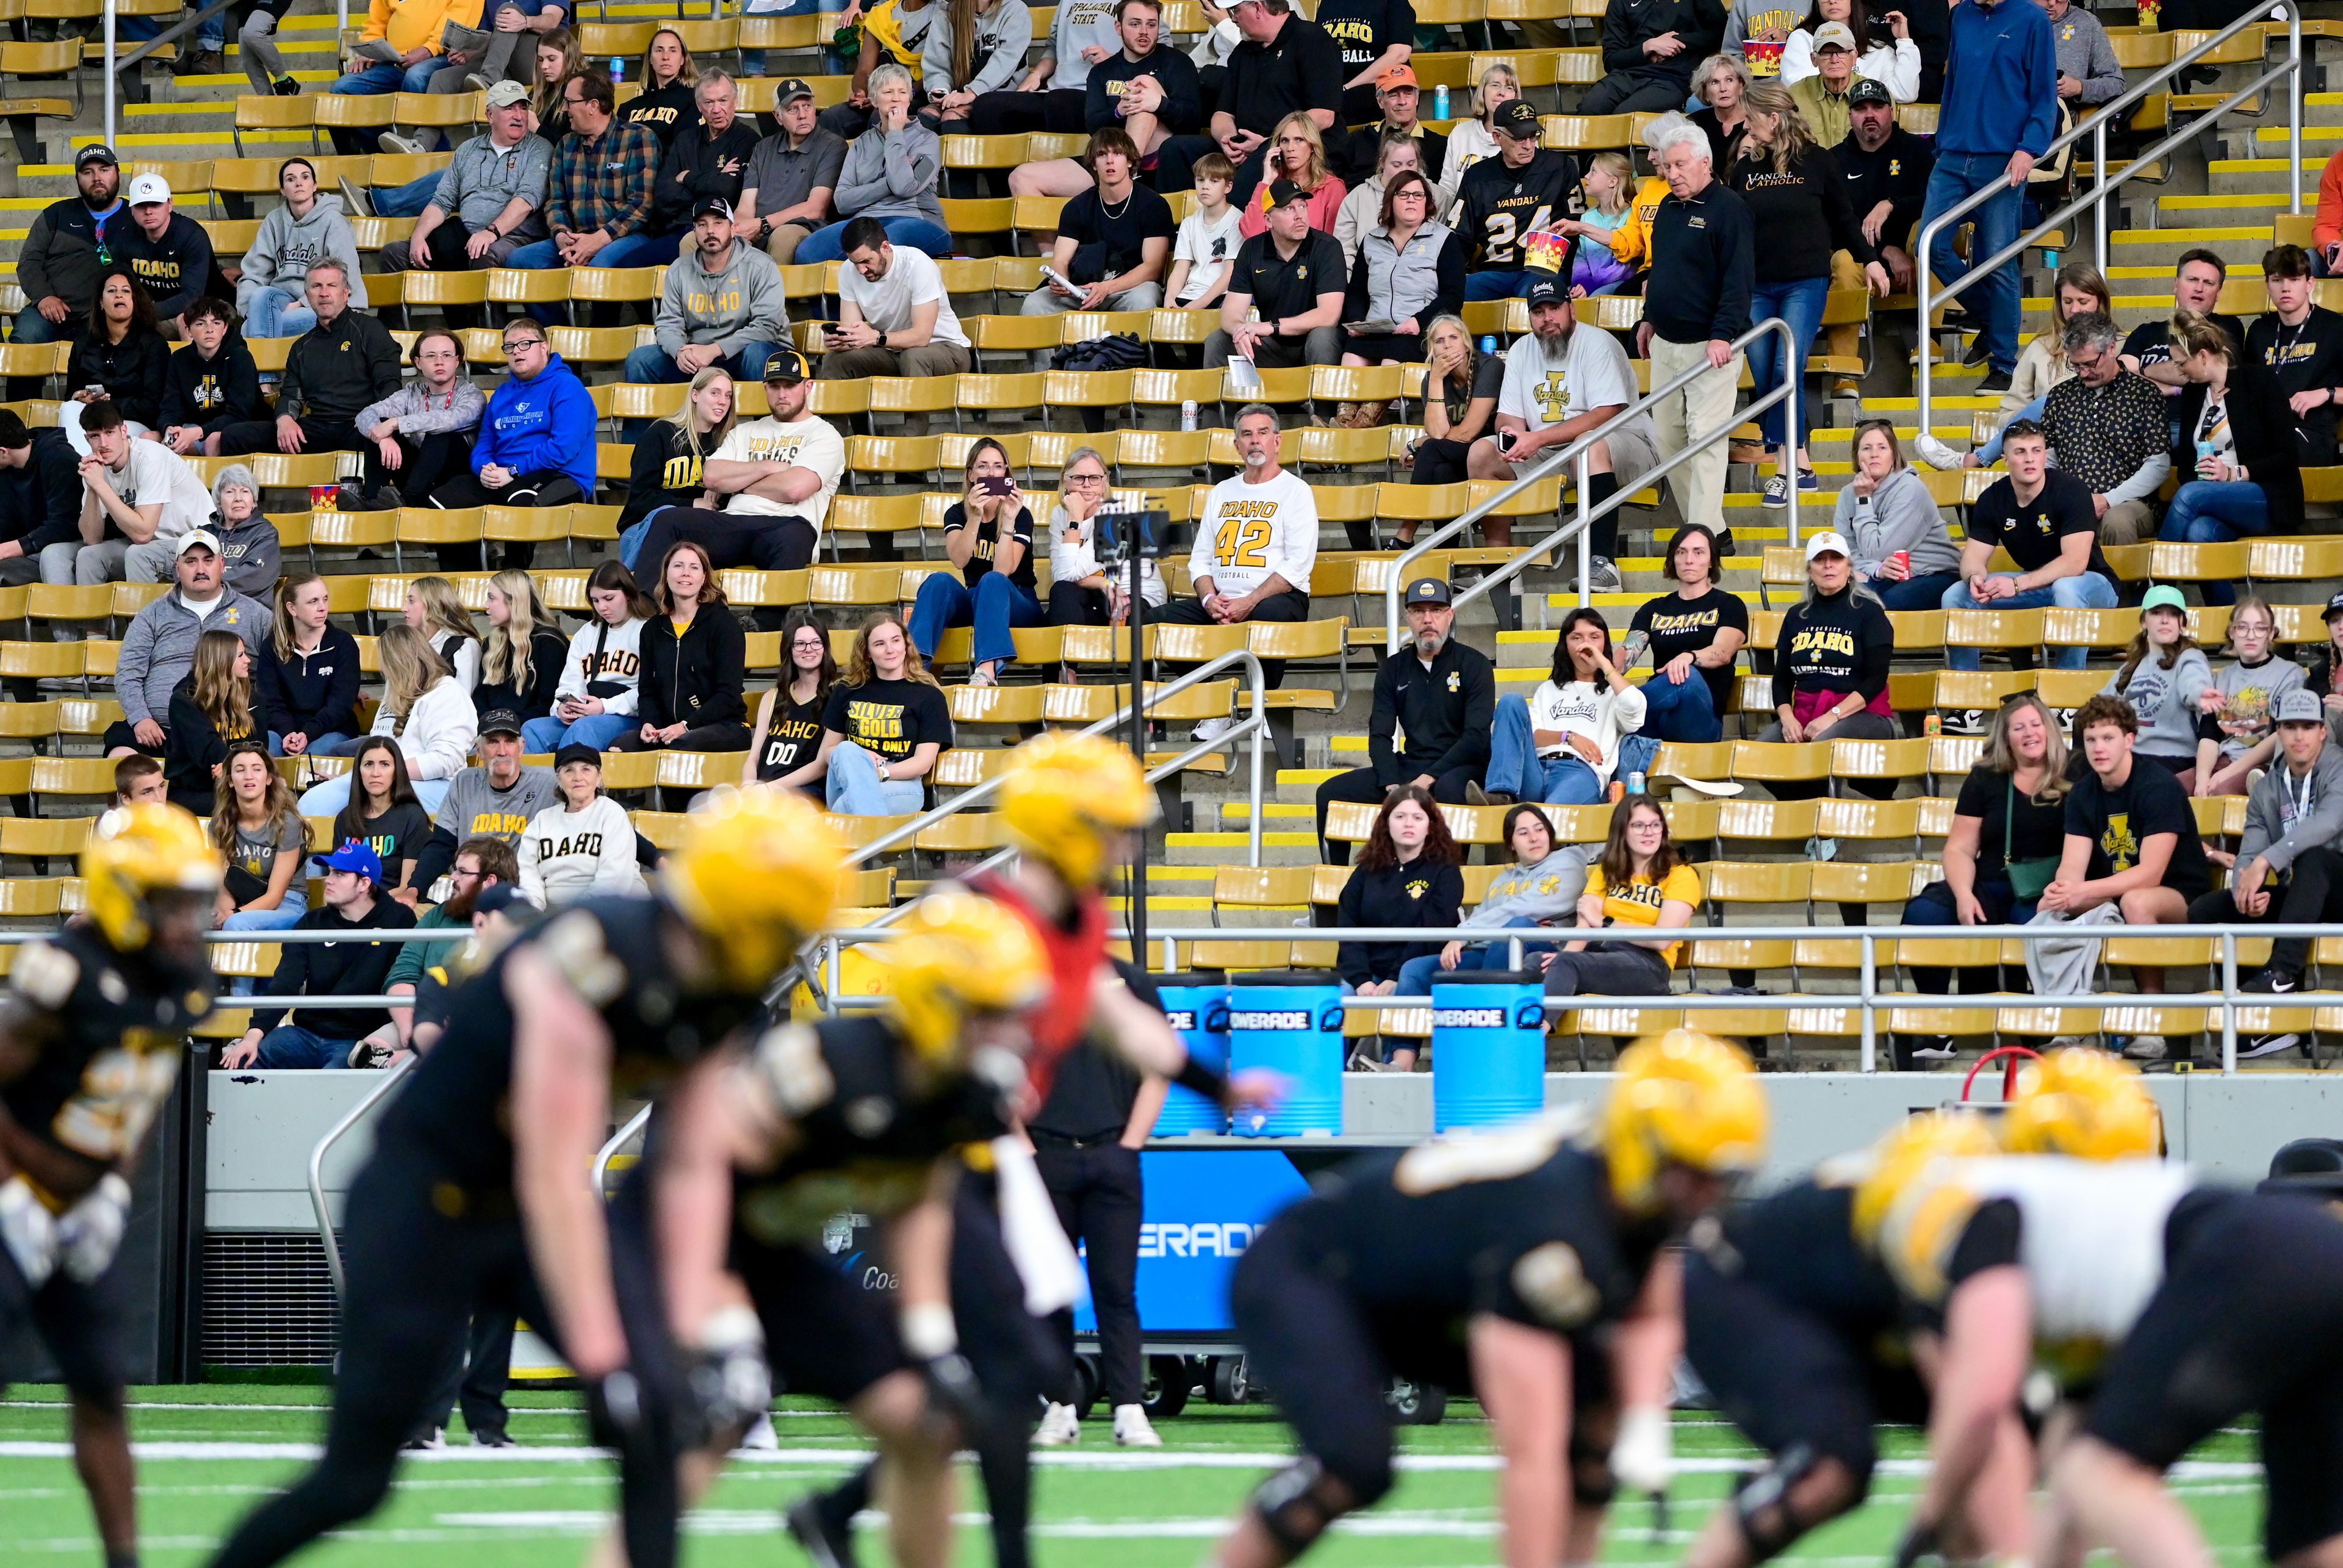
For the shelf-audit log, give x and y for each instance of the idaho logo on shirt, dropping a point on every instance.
(1552, 395)
(1455, 682)
(2120, 847)
(1419, 887)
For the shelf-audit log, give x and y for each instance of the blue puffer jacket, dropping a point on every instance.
(546, 422)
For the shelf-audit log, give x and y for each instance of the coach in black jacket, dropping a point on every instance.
(1443, 695)
(335, 369)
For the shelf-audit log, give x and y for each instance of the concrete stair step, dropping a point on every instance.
(2241, 243)
(1277, 848)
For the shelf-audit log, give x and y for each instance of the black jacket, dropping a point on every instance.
(1183, 94)
(337, 969)
(333, 371)
(1837, 643)
(311, 694)
(2263, 424)
(1628, 25)
(212, 393)
(131, 371)
(1897, 173)
(695, 680)
(59, 255)
(194, 746)
(1411, 895)
(175, 270)
(1446, 712)
(547, 652)
(1711, 269)
(692, 170)
(1796, 219)
(40, 502)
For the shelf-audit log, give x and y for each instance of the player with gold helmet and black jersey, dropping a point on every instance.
(92, 1026)
(478, 1191)
(1509, 1261)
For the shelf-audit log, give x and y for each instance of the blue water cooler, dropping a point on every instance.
(1291, 1022)
(1198, 1008)
(1488, 1047)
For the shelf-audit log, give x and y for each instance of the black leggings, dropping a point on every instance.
(428, 466)
(1440, 461)
(731, 539)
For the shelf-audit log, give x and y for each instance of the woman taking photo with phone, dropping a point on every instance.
(989, 537)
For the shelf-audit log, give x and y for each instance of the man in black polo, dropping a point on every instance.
(1286, 64)
(1294, 275)
(1442, 696)
(1886, 168)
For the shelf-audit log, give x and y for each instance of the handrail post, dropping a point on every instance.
(1870, 999)
(2228, 1002)
(1585, 543)
(1794, 377)
(333, 1136)
(2099, 203)
(110, 84)
(2293, 105)
(609, 1151)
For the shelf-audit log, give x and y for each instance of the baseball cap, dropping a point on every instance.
(2298, 706)
(2164, 595)
(194, 537)
(790, 91)
(499, 721)
(1396, 76)
(1834, 35)
(1518, 120)
(2334, 607)
(505, 95)
(1868, 90)
(97, 153)
(1830, 541)
(711, 207)
(355, 856)
(1283, 192)
(577, 752)
(1544, 288)
(1427, 590)
(498, 896)
(786, 368)
(147, 188)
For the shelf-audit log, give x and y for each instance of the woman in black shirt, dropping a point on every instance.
(670, 78)
(885, 725)
(558, 58)
(213, 708)
(1830, 666)
(2238, 465)
(122, 356)
(385, 815)
(995, 587)
(1460, 402)
(521, 664)
(1800, 214)
(308, 671)
(1407, 876)
(668, 455)
(1722, 83)
(695, 662)
(787, 732)
(1694, 635)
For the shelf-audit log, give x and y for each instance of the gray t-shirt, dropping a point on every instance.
(2250, 697)
(257, 852)
(782, 177)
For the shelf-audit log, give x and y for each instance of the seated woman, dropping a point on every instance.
(995, 590)
(259, 830)
(522, 663)
(886, 725)
(956, 71)
(212, 708)
(1561, 744)
(1471, 140)
(890, 174)
(1722, 83)
(2236, 734)
(1903, 550)
(306, 228)
(2041, 365)
(788, 731)
(1830, 667)
(427, 710)
(308, 671)
(1081, 591)
(1396, 153)
(593, 701)
(385, 815)
(434, 609)
(1694, 635)
(1407, 876)
(1460, 405)
(669, 454)
(582, 844)
(121, 357)
(1409, 273)
(694, 663)
(2164, 676)
(1297, 152)
(1541, 888)
(2237, 439)
(1639, 881)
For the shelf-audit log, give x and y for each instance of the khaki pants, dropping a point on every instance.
(1707, 404)
(782, 240)
(1844, 341)
(2127, 523)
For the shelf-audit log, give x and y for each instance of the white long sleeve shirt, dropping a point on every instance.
(1603, 716)
(565, 855)
(1895, 67)
(437, 739)
(608, 655)
(1247, 532)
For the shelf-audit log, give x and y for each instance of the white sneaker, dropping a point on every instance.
(1938, 453)
(2072, 1042)
(1061, 1427)
(761, 1436)
(1602, 577)
(1213, 728)
(410, 146)
(2147, 1048)
(1132, 1430)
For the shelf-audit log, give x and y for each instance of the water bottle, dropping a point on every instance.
(1488, 343)
(618, 70)
(1188, 414)
(1440, 103)
(2049, 261)
(1636, 783)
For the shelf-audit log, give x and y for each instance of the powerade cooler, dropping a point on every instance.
(1198, 1008)
(1291, 1024)
(1488, 1047)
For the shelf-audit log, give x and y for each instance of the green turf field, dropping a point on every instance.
(208, 1452)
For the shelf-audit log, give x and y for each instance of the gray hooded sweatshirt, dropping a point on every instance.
(2287, 815)
(2165, 702)
(996, 58)
(287, 247)
(732, 308)
(1901, 515)
(1547, 891)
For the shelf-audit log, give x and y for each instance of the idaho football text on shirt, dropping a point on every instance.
(158, 274)
(1822, 646)
(2118, 844)
(1666, 626)
(1242, 530)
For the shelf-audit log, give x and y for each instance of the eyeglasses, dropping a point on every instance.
(1086, 478)
(515, 345)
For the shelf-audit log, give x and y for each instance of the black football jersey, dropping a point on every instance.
(1798, 1245)
(1501, 205)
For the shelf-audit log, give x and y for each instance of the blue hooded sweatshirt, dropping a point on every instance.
(547, 422)
(2001, 81)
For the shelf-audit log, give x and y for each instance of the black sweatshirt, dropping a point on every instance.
(40, 502)
(1182, 111)
(1798, 218)
(1414, 894)
(1629, 25)
(195, 745)
(1837, 642)
(2262, 423)
(1702, 277)
(1897, 173)
(175, 270)
(692, 171)
(547, 651)
(1446, 712)
(697, 679)
(666, 472)
(333, 371)
(131, 371)
(337, 969)
(2305, 358)
(215, 393)
(311, 694)
(664, 112)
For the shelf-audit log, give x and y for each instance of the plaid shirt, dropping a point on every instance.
(604, 184)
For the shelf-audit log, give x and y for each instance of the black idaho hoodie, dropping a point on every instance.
(1416, 893)
(131, 371)
(212, 393)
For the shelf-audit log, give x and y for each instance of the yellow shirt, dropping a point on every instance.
(1637, 902)
(1631, 240)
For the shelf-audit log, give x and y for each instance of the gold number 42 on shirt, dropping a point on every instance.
(1240, 541)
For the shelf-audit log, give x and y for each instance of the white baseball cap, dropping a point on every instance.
(1830, 541)
(147, 188)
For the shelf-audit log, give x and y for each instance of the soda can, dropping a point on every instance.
(617, 69)
(1188, 414)
(1933, 726)
(1634, 783)
(1440, 103)
(321, 497)
(1618, 791)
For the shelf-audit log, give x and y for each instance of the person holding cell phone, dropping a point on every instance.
(988, 536)
(2237, 439)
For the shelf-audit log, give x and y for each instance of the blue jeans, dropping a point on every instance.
(1990, 453)
(1935, 907)
(407, 200)
(277, 312)
(275, 919)
(1799, 303)
(290, 1045)
(1493, 285)
(316, 745)
(1686, 713)
(1994, 302)
(1915, 593)
(389, 76)
(32, 326)
(1416, 975)
(2208, 512)
(855, 788)
(328, 798)
(994, 606)
(655, 365)
(1516, 770)
(596, 729)
(2088, 590)
(824, 244)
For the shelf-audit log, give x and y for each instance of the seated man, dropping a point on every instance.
(1503, 200)
(158, 650)
(536, 446)
(1286, 64)
(1147, 89)
(211, 383)
(168, 253)
(2105, 426)
(1353, 154)
(325, 1037)
(486, 203)
(139, 498)
(138, 781)
(1649, 51)
(401, 47)
(495, 799)
(773, 477)
(598, 197)
(1824, 97)
(333, 370)
(40, 499)
(1293, 273)
(2046, 520)
(1112, 241)
(1051, 95)
(721, 305)
(708, 161)
(420, 436)
(894, 317)
(790, 186)
(2196, 282)
(2301, 342)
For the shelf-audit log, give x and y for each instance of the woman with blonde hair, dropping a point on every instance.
(521, 665)
(1081, 591)
(434, 609)
(427, 710)
(2081, 289)
(211, 709)
(670, 453)
(989, 537)
(259, 830)
(1722, 83)
(558, 58)
(1461, 387)
(1799, 214)
(308, 671)
(886, 725)
(1470, 141)
(1296, 152)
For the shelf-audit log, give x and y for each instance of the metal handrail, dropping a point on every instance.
(1578, 449)
(2095, 198)
(391, 1079)
(138, 55)
(609, 1151)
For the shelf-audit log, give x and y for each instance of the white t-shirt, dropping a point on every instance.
(1208, 248)
(811, 442)
(912, 280)
(158, 474)
(1546, 386)
(1246, 532)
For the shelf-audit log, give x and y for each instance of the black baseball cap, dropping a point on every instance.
(786, 368)
(499, 721)
(1284, 193)
(1427, 590)
(715, 205)
(790, 90)
(96, 153)
(577, 752)
(1545, 288)
(1518, 120)
(2334, 607)
(1869, 90)
(497, 897)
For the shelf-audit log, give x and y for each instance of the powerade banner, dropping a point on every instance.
(1202, 1206)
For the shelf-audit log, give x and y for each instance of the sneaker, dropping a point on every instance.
(1937, 454)
(2266, 1045)
(2146, 1048)
(478, 82)
(1061, 1427)
(372, 1056)
(1724, 545)
(1976, 352)
(493, 1437)
(1132, 1429)
(410, 146)
(1476, 795)
(2272, 981)
(826, 1543)
(1807, 483)
(1933, 1048)
(1602, 576)
(1777, 493)
(430, 1438)
(355, 202)
(1993, 381)
(761, 1435)
(2254, 776)
(1846, 387)
(1212, 730)
(285, 87)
